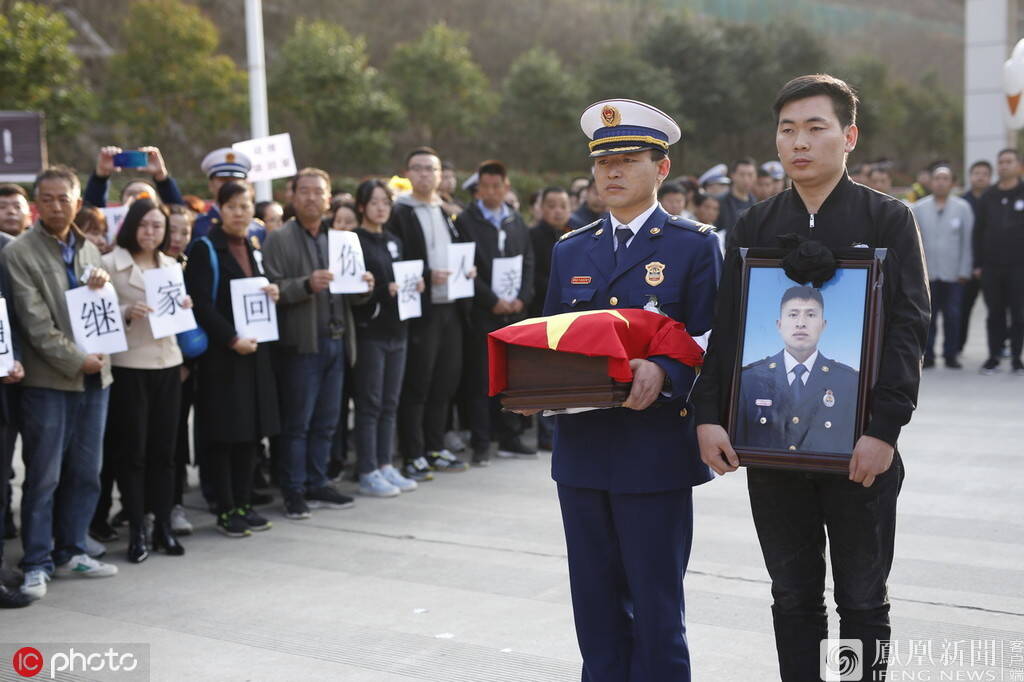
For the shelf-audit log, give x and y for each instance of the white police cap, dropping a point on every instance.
(716, 175)
(774, 169)
(622, 126)
(226, 163)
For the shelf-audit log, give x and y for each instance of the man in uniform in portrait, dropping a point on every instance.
(798, 399)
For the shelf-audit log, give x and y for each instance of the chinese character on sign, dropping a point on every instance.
(99, 318)
(257, 308)
(4, 347)
(407, 290)
(508, 286)
(170, 298)
(347, 260)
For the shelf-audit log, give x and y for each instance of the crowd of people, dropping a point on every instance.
(414, 391)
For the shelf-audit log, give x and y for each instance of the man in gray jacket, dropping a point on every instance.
(946, 222)
(64, 400)
(317, 335)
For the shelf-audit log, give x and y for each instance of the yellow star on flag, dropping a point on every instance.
(558, 325)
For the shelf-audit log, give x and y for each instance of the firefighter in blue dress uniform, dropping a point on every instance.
(625, 475)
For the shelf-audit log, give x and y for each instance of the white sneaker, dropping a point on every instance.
(391, 475)
(179, 523)
(34, 586)
(85, 566)
(375, 485)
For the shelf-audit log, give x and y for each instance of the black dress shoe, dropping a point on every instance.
(13, 599)
(138, 550)
(165, 540)
(953, 363)
(101, 531)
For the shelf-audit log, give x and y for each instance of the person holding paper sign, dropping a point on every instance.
(317, 342)
(64, 400)
(434, 361)
(500, 234)
(381, 343)
(236, 395)
(145, 399)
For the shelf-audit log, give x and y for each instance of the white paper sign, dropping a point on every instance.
(165, 290)
(6, 345)
(507, 277)
(255, 314)
(407, 275)
(271, 157)
(345, 256)
(460, 262)
(96, 321)
(115, 216)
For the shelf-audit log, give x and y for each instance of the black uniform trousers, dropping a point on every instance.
(1003, 287)
(432, 371)
(792, 511)
(142, 437)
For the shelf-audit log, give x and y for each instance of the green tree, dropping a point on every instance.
(447, 98)
(38, 70)
(540, 108)
(620, 72)
(168, 86)
(324, 91)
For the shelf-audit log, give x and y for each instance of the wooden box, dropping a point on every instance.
(539, 378)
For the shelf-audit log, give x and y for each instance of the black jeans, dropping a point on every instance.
(947, 298)
(1003, 287)
(792, 511)
(486, 419)
(141, 438)
(971, 291)
(230, 467)
(432, 370)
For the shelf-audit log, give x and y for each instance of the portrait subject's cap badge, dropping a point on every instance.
(610, 115)
(655, 273)
(829, 399)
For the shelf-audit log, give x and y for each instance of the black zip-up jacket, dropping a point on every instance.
(474, 225)
(404, 223)
(378, 317)
(851, 215)
(999, 228)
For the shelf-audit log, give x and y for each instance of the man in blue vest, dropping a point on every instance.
(625, 475)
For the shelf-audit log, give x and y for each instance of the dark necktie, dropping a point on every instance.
(798, 383)
(622, 236)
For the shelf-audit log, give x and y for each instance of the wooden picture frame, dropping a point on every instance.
(814, 426)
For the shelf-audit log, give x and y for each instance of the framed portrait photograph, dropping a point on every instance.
(806, 360)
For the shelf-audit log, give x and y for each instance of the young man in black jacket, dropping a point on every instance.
(434, 359)
(816, 130)
(999, 260)
(499, 232)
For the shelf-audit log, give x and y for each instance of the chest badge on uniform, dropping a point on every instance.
(655, 230)
(763, 402)
(655, 273)
(829, 399)
(581, 279)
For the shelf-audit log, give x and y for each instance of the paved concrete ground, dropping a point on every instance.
(465, 579)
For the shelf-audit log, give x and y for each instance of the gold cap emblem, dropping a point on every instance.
(610, 115)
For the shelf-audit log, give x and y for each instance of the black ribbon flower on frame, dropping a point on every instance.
(807, 260)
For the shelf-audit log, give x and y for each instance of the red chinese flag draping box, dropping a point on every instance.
(580, 359)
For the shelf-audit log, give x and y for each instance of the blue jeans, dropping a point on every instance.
(947, 298)
(380, 366)
(310, 394)
(62, 435)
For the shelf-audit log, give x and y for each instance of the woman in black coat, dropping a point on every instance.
(236, 396)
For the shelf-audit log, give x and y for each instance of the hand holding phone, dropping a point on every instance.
(132, 158)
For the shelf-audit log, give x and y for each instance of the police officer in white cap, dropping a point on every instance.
(220, 166)
(715, 180)
(625, 475)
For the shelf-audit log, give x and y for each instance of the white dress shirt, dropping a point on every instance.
(791, 364)
(634, 225)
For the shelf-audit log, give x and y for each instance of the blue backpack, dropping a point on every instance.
(194, 342)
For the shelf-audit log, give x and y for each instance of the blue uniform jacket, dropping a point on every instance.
(622, 450)
(823, 421)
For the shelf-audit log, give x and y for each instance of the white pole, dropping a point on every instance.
(258, 117)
